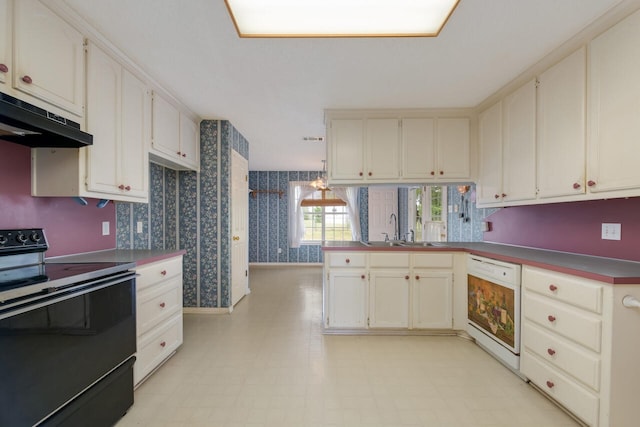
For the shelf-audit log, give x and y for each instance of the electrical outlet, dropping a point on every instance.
(105, 228)
(611, 231)
(279, 250)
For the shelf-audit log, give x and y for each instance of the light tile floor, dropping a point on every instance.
(268, 364)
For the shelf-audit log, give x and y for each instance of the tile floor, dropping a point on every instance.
(268, 364)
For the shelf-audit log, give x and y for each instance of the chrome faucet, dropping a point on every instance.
(394, 218)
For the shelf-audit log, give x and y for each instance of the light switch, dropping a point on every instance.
(139, 227)
(611, 231)
(105, 228)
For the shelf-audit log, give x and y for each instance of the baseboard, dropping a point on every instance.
(207, 310)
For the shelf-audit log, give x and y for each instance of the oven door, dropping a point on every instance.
(55, 348)
(494, 309)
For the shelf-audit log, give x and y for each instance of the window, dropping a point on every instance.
(325, 218)
(429, 218)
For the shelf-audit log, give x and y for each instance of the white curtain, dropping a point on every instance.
(351, 195)
(298, 190)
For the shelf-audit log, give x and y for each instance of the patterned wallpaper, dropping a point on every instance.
(190, 211)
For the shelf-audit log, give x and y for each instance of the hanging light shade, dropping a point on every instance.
(320, 183)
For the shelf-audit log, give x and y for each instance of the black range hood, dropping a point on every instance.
(32, 126)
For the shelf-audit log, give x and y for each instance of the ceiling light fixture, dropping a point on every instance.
(320, 183)
(340, 18)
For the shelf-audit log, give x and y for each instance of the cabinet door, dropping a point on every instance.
(561, 135)
(103, 120)
(347, 298)
(382, 149)
(452, 148)
(5, 41)
(489, 186)
(432, 299)
(418, 148)
(614, 105)
(347, 149)
(49, 57)
(136, 136)
(189, 143)
(165, 127)
(389, 299)
(519, 144)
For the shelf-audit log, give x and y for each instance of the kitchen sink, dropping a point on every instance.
(383, 244)
(401, 243)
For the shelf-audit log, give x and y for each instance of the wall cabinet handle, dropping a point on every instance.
(551, 318)
(28, 80)
(162, 305)
(591, 183)
(406, 277)
(553, 287)
(163, 343)
(347, 260)
(4, 68)
(163, 273)
(551, 351)
(550, 384)
(576, 186)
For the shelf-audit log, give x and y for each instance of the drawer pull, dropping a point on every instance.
(551, 318)
(347, 260)
(551, 351)
(553, 287)
(417, 277)
(550, 384)
(28, 80)
(162, 305)
(362, 277)
(406, 277)
(163, 273)
(163, 343)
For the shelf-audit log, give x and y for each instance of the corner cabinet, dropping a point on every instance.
(380, 290)
(158, 315)
(116, 166)
(175, 136)
(387, 147)
(5, 43)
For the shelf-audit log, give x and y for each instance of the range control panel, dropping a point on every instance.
(22, 241)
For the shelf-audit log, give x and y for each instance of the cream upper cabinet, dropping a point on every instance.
(118, 116)
(377, 149)
(174, 136)
(519, 144)
(418, 148)
(5, 42)
(561, 128)
(48, 57)
(614, 107)
(346, 149)
(489, 187)
(382, 149)
(452, 148)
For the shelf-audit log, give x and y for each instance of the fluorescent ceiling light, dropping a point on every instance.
(340, 18)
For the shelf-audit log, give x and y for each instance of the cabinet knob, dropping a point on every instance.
(441, 172)
(406, 277)
(121, 186)
(591, 183)
(553, 287)
(128, 188)
(163, 343)
(550, 384)
(360, 173)
(551, 318)
(362, 277)
(576, 186)
(432, 173)
(551, 351)
(163, 273)
(504, 195)
(370, 173)
(497, 196)
(417, 277)
(162, 305)
(28, 80)
(4, 68)
(178, 153)
(347, 260)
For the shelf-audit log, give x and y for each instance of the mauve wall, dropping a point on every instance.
(70, 227)
(571, 227)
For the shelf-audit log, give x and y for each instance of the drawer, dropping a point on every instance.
(573, 290)
(347, 259)
(157, 303)
(151, 274)
(433, 260)
(581, 364)
(577, 325)
(389, 259)
(581, 402)
(156, 346)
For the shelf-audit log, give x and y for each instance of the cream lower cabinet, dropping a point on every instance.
(578, 345)
(158, 315)
(389, 290)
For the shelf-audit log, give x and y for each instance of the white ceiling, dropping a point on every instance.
(274, 91)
